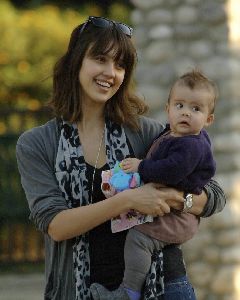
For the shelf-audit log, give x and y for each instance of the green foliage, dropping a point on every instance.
(119, 12)
(12, 204)
(31, 41)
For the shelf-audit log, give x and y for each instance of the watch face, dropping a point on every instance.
(189, 201)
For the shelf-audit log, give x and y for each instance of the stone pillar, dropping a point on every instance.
(172, 37)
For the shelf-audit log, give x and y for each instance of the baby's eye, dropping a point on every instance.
(196, 108)
(179, 105)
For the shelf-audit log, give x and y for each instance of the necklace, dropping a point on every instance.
(96, 162)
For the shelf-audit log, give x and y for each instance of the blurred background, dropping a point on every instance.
(172, 37)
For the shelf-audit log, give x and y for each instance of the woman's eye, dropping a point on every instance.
(120, 65)
(100, 58)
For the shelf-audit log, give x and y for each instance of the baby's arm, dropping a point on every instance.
(130, 165)
(184, 156)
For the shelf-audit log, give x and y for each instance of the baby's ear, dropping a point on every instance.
(210, 120)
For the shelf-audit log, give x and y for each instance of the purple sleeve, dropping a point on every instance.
(183, 157)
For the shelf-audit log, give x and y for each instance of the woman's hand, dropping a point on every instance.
(153, 199)
(175, 202)
(199, 202)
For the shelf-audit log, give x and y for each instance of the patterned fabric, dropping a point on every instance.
(71, 176)
(70, 171)
(154, 287)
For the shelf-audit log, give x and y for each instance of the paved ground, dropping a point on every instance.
(22, 287)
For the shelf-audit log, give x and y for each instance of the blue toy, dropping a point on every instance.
(116, 180)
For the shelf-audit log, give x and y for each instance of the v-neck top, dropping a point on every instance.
(105, 247)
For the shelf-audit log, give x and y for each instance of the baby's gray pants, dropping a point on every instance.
(137, 255)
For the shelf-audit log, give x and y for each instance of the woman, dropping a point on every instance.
(98, 122)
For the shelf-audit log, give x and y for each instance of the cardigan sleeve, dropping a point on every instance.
(216, 199)
(35, 157)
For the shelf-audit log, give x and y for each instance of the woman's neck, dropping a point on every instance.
(91, 134)
(91, 119)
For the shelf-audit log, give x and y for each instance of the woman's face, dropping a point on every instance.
(100, 77)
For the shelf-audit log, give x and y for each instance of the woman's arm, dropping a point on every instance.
(216, 199)
(73, 222)
(212, 200)
(146, 199)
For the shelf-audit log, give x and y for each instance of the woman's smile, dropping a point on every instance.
(104, 84)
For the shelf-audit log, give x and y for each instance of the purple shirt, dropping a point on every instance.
(185, 162)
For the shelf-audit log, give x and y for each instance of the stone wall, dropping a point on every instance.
(172, 37)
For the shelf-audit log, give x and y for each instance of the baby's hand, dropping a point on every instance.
(130, 165)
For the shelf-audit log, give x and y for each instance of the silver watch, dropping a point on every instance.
(188, 202)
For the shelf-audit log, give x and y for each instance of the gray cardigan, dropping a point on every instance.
(36, 153)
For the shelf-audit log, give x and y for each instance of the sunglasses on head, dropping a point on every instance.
(105, 23)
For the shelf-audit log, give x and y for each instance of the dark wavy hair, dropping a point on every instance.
(66, 101)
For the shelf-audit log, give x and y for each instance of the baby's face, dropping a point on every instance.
(189, 110)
